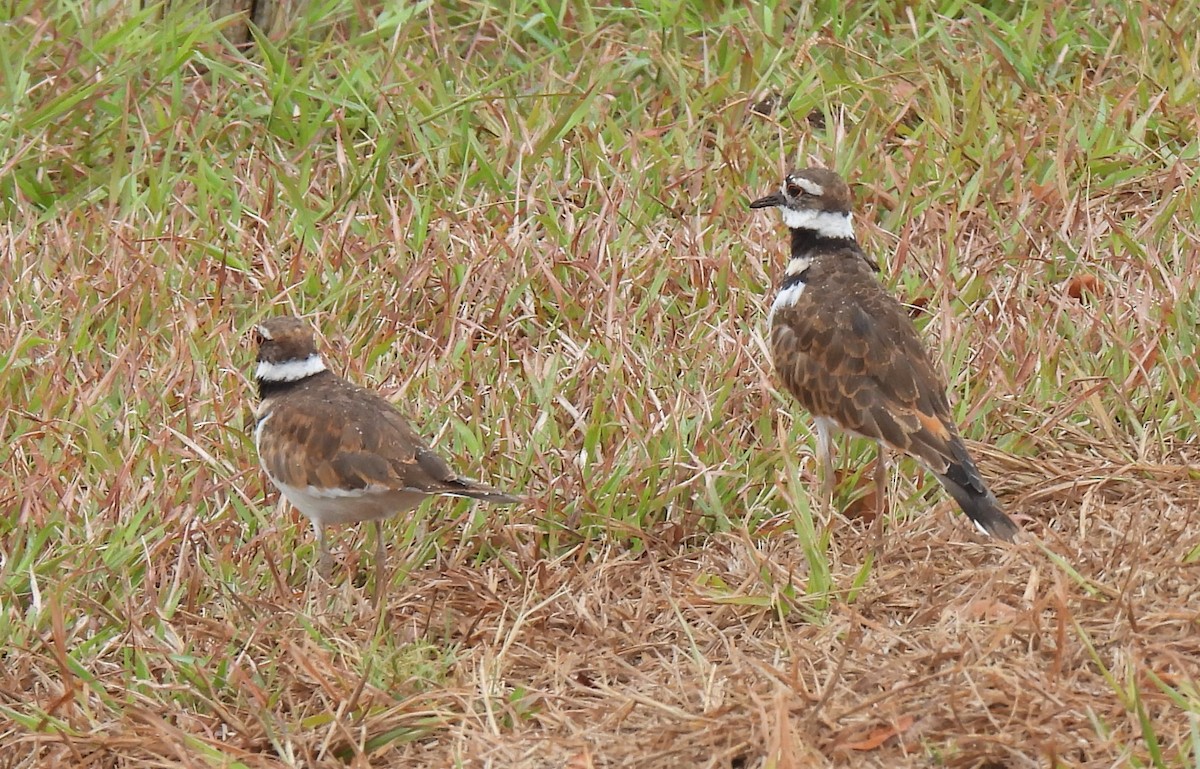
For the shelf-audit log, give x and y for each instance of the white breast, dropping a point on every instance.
(258, 430)
(785, 298)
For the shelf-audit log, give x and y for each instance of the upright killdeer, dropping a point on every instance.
(850, 354)
(339, 453)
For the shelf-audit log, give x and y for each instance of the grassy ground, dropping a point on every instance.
(528, 227)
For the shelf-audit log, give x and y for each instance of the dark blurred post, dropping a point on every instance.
(271, 16)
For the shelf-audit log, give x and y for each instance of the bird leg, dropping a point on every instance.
(324, 560)
(881, 479)
(379, 563)
(825, 458)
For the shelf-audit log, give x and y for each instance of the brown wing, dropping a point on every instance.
(329, 433)
(848, 352)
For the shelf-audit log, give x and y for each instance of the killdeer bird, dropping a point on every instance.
(338, 452)
(850, 354)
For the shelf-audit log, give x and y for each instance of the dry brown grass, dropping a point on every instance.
(960, 651)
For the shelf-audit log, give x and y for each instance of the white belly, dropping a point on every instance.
(336, 506)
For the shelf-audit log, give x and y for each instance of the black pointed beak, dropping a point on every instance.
(769, 201)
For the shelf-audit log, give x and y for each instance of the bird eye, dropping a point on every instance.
(795, 190)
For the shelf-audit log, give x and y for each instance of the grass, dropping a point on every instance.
(527, 225)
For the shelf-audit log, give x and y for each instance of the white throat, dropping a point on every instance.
(827, 224)
(290, 370)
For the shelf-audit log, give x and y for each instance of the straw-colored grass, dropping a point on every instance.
(526, 225)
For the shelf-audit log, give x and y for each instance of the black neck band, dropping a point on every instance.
(269, 388)
(805, 241)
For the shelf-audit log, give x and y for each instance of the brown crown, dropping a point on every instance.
(285, 339)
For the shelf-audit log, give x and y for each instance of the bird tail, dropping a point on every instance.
(483, 493)
(963, 483)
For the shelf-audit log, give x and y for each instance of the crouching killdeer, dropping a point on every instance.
(850, 354)
(338, 452)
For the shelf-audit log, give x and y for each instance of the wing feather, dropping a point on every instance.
(340, 435)
(849, 352)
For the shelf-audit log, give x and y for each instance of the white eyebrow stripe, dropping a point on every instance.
(808, 185)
